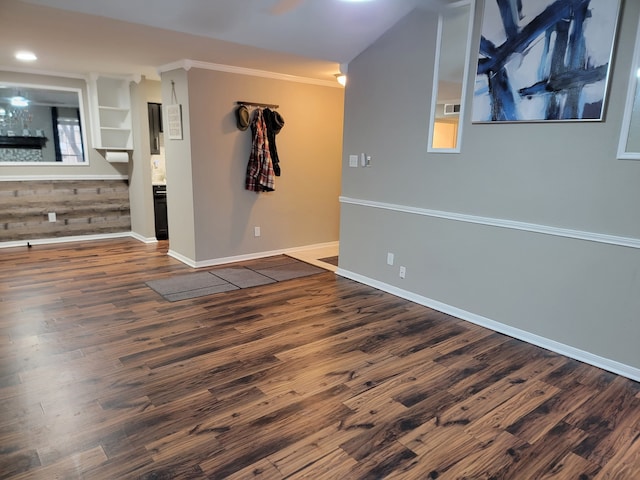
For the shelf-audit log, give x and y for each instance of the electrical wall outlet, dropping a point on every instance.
(390, 258)
(403, 272)
(256, 231)
(353, 161)
(52, 216)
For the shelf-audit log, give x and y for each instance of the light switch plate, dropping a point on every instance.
(390, 258)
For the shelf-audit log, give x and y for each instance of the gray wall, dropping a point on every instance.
(582, 294)
(141, 191)
(180, 199)
(206, 170)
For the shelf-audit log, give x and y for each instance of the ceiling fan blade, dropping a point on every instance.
(284, 6)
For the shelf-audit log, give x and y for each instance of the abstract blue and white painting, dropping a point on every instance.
(544, 60)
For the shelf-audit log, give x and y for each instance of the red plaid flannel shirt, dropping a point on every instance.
(260, 174)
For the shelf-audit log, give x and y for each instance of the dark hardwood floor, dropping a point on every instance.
(317, 378)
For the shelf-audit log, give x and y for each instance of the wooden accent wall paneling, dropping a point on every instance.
(82, 207)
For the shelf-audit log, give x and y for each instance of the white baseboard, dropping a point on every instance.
(47, 178)
(316, 246)
(181, 258)
(543, 342)
(79, 238)
(249, 256)
(142, 239)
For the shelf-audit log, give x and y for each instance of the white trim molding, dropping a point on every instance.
(48, 241)
(498, 222)
(48, 73)
(543, 342)
(249, 256)
(182, 258)
(44, 178)
(77, 238)
(142, 239)
(187, 65)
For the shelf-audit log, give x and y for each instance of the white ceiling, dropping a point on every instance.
(309, 38)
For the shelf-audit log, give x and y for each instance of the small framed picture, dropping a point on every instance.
(174, 121)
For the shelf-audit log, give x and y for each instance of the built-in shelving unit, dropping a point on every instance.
(110, 112)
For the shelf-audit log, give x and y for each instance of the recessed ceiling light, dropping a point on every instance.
(26, 56)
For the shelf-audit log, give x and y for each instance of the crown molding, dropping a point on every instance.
(187, 65)
(48, 73)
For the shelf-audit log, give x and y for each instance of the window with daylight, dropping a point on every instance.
(69, 138)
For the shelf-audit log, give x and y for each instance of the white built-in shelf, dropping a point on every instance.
(110, 112)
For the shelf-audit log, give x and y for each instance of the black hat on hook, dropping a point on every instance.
(278, 122)
(242, 117)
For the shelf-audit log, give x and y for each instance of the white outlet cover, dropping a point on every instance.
(353, 161)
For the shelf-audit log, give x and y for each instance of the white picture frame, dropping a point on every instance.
(174, 122)
(533, 69)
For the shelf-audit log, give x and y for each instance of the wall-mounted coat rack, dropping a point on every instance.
(257, 104)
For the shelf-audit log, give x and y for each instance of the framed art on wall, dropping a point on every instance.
(544, 60)
(174, 122)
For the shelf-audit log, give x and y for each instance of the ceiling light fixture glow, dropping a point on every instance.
(19, 101)
(341, 78)
(25, 56)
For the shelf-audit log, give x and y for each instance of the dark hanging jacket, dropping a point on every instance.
(274, 123)
(260, 171)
